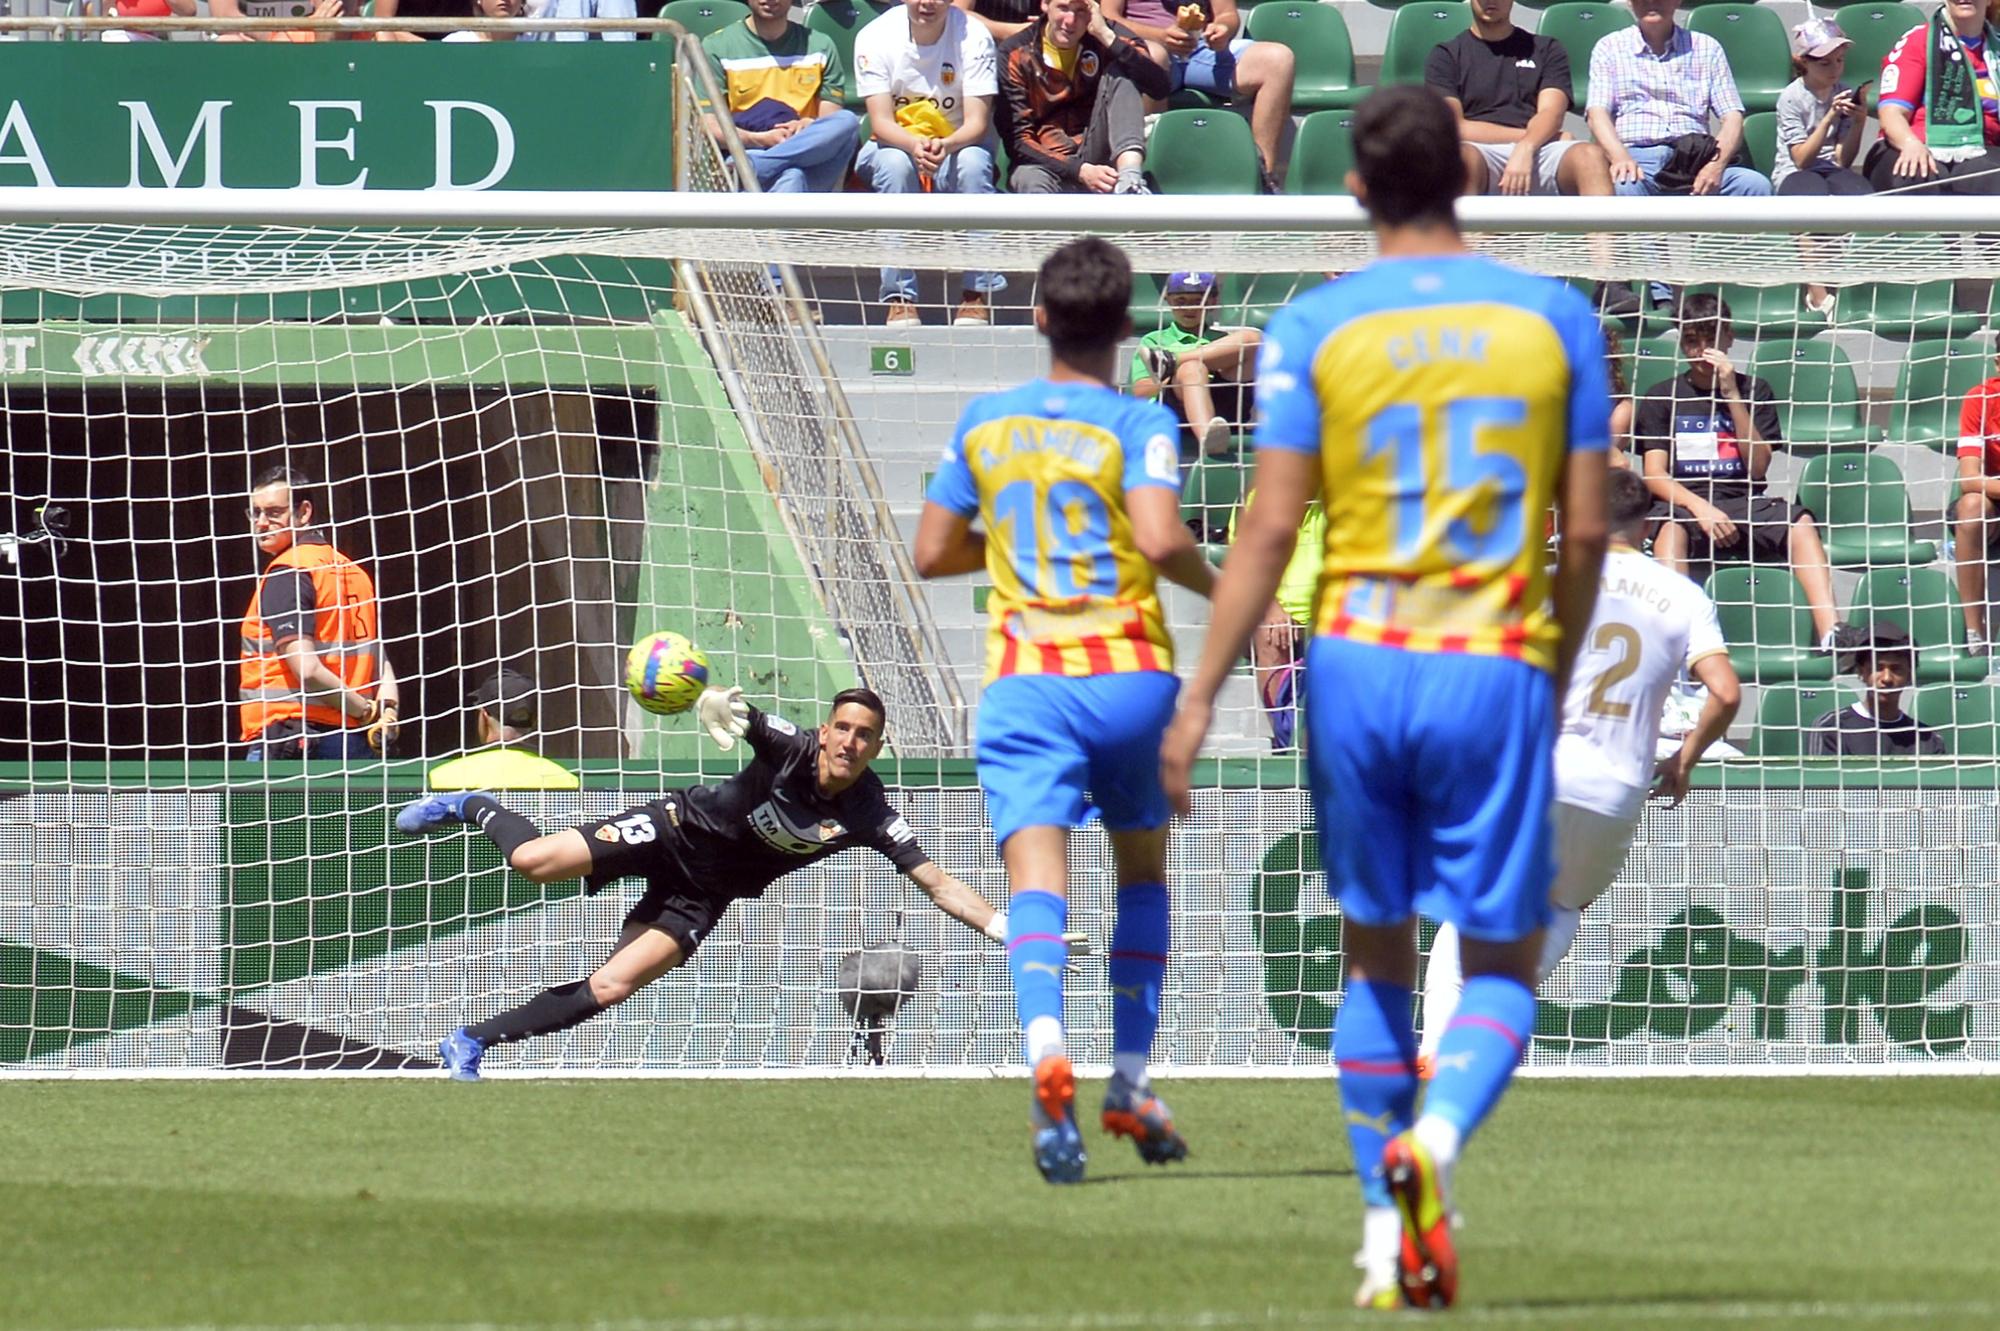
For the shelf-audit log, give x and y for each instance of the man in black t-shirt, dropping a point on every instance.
(1706, 437)
(1877, 726)
(1510, 90)
(806, 795)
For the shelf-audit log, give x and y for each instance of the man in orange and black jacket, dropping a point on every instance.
(1070, 105)
(312, 679)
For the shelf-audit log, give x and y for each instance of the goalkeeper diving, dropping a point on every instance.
(806, 795)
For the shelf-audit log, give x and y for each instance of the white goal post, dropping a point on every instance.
(576, 418)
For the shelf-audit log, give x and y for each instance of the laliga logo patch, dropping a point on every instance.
(1163, 459)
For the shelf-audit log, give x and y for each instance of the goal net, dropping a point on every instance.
(548, 426)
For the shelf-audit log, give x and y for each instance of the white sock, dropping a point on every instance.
(1132, 1067)
(1381, 1239)
(1443, 983)
(1556, 942)
(1045, 1037)
(1441, 1139)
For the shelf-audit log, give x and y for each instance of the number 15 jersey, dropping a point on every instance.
(1442, 396)
(1046, 468)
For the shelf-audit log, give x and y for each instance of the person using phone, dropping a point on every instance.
(1820, 120)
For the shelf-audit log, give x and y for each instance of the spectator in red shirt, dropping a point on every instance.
(1978, 502)
(1940, 118)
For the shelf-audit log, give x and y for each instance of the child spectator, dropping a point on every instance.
(1206, 376)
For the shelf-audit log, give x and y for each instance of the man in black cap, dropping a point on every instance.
(1877, 725)
(504, 705)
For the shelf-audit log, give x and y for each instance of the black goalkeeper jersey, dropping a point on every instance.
(737, 837)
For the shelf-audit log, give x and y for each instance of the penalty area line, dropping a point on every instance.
(1590, 1313)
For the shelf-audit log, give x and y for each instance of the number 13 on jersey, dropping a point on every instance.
(1436, 509)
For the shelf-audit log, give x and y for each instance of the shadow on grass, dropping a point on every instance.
(1165, 1175)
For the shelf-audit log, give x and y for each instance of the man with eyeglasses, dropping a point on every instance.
(312, 679)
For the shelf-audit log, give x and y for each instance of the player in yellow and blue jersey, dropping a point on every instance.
(1077, 491)
(1439, 402)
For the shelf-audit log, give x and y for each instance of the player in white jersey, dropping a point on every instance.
(1649, 622)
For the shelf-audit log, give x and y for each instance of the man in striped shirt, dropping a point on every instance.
(1657, 83)
(1077, 487)
(784, 84)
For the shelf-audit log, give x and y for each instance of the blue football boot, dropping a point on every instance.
(432, 812)
(460, 1054)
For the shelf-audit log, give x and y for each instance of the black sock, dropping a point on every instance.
(550, 1011)
(503, 827)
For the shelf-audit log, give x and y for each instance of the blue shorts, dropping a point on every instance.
(1432, 776)
(1208, 70)
(1055, 751)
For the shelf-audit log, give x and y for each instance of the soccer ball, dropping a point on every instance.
(666, 673)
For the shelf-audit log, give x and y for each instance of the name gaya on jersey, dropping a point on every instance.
(1046, 469)
(1441, 396)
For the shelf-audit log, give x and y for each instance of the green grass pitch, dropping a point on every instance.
(903, 1206)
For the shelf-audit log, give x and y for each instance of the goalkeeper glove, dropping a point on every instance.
(725, 714)
(383, 727)
(996, 929)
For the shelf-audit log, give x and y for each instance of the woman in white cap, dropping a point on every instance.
(1820, 119)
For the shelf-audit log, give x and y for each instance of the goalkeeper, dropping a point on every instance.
(806, 795)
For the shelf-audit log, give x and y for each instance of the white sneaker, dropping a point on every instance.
(1216, 437)
(1976, 644)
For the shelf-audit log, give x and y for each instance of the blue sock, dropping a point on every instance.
(1138, 968)
(1036, 955)
(1375, 1048)
(1476, 1059)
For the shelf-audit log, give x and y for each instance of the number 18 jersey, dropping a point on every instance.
(1441, 395)
(1046, 468)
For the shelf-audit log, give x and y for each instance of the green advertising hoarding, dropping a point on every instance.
(400, 116)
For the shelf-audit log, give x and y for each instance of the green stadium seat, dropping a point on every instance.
(1578, 25)
(1759, 51)
(1905, 309)
(1252, 298)
(1760, 139)
(1653, 360)
(1963, 715)
(1933, 380)
(1414, 30)
(1760, 313)
(702, 17)
(1874, 27)
(1787, 712)
(1862, 506)
(1322, 154)
(1148, 309)
(1818, 398)
(1323, 51)
(1211, 490)
(1922, 601)
(1203, 152)
(839, 20)
(1766, 623)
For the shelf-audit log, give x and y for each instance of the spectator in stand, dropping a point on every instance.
(489, 9)
(783, 83)
(279, 11)
(1510, 92)
(504, 756)
(554, 9)
(1940, 118)
(1820, 119)
(1654, 91)
(1621, 397)
(1002, 18)
(1706, 436)
(1070, 102)
(1277, 646)
(1207, 376)
(138, 9)
(928, 74)
(1203, 51)
(1876, 726)
(1978, 504)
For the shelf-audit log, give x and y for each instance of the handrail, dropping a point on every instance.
(68, 23)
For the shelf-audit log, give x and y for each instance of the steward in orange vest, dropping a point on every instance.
(312, 678)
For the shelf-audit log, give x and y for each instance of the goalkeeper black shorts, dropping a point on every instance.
(644, 842)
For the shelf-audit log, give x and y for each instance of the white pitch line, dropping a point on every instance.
(1594, 1313)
